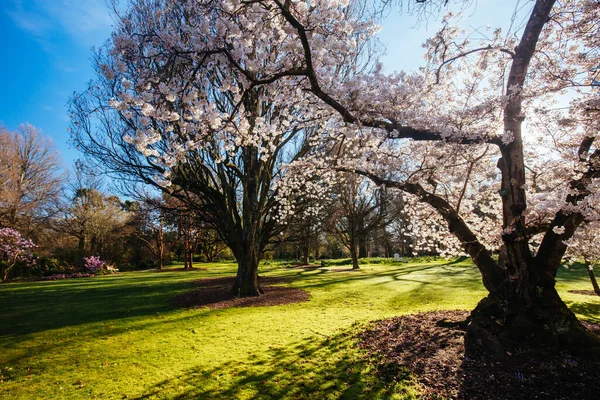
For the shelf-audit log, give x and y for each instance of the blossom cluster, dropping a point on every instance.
(14, 247)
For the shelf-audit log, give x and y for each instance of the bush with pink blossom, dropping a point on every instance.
(14, 249)
(93, 264)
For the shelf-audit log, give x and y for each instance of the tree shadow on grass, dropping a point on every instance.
(590, 311)
(317, 368)
(39, 306)
(447, 271)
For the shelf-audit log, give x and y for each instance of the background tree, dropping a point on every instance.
(97, 220)
(305, 228)
(584, 246)
(360, 210)
(31, 179)
(148, 223)
(210, 244)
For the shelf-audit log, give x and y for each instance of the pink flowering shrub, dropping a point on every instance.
(66, 276)
(94, 264)
(14, 248)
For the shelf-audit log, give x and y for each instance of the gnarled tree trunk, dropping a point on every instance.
(526, 315)
(246, 280)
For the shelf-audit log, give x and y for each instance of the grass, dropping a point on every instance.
(120, 337)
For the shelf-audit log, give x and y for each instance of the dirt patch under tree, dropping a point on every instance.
(431, 347)
(584, 292)
(215, 293)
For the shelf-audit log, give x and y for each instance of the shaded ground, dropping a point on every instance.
(584, 292)
(182, 269)
(214, 293)
(345, 270)
(434, 353)
(304, 266)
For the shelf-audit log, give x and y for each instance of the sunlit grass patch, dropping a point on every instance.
(121, 337)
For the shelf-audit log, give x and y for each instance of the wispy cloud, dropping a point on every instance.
(85, 21)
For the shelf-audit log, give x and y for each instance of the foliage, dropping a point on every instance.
(47, 266)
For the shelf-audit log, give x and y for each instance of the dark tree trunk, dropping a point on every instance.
(160, 245)
(590, 272)
(305, 254)
(505, 321)
(161, 255)
(186, 248)
(246, 280)
(362, 246)
(354, 254)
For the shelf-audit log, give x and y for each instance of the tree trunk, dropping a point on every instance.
(305, 254)
(362, 246)
(590, 271)
(161, 255)
(246, 280)
(505, 321)
(160, 245)
(186, 247)
(354, 254)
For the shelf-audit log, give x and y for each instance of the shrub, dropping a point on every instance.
(94, 264)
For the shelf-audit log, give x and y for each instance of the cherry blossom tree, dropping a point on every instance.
(474, 98)
(174, 106)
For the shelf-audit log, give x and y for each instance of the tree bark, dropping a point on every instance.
(161, 252)
(246, 280)
(160, 244)
(506, 320)
(186, 247)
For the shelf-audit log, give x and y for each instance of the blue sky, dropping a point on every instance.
(46, 47)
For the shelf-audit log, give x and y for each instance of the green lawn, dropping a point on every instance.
(119, 337)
